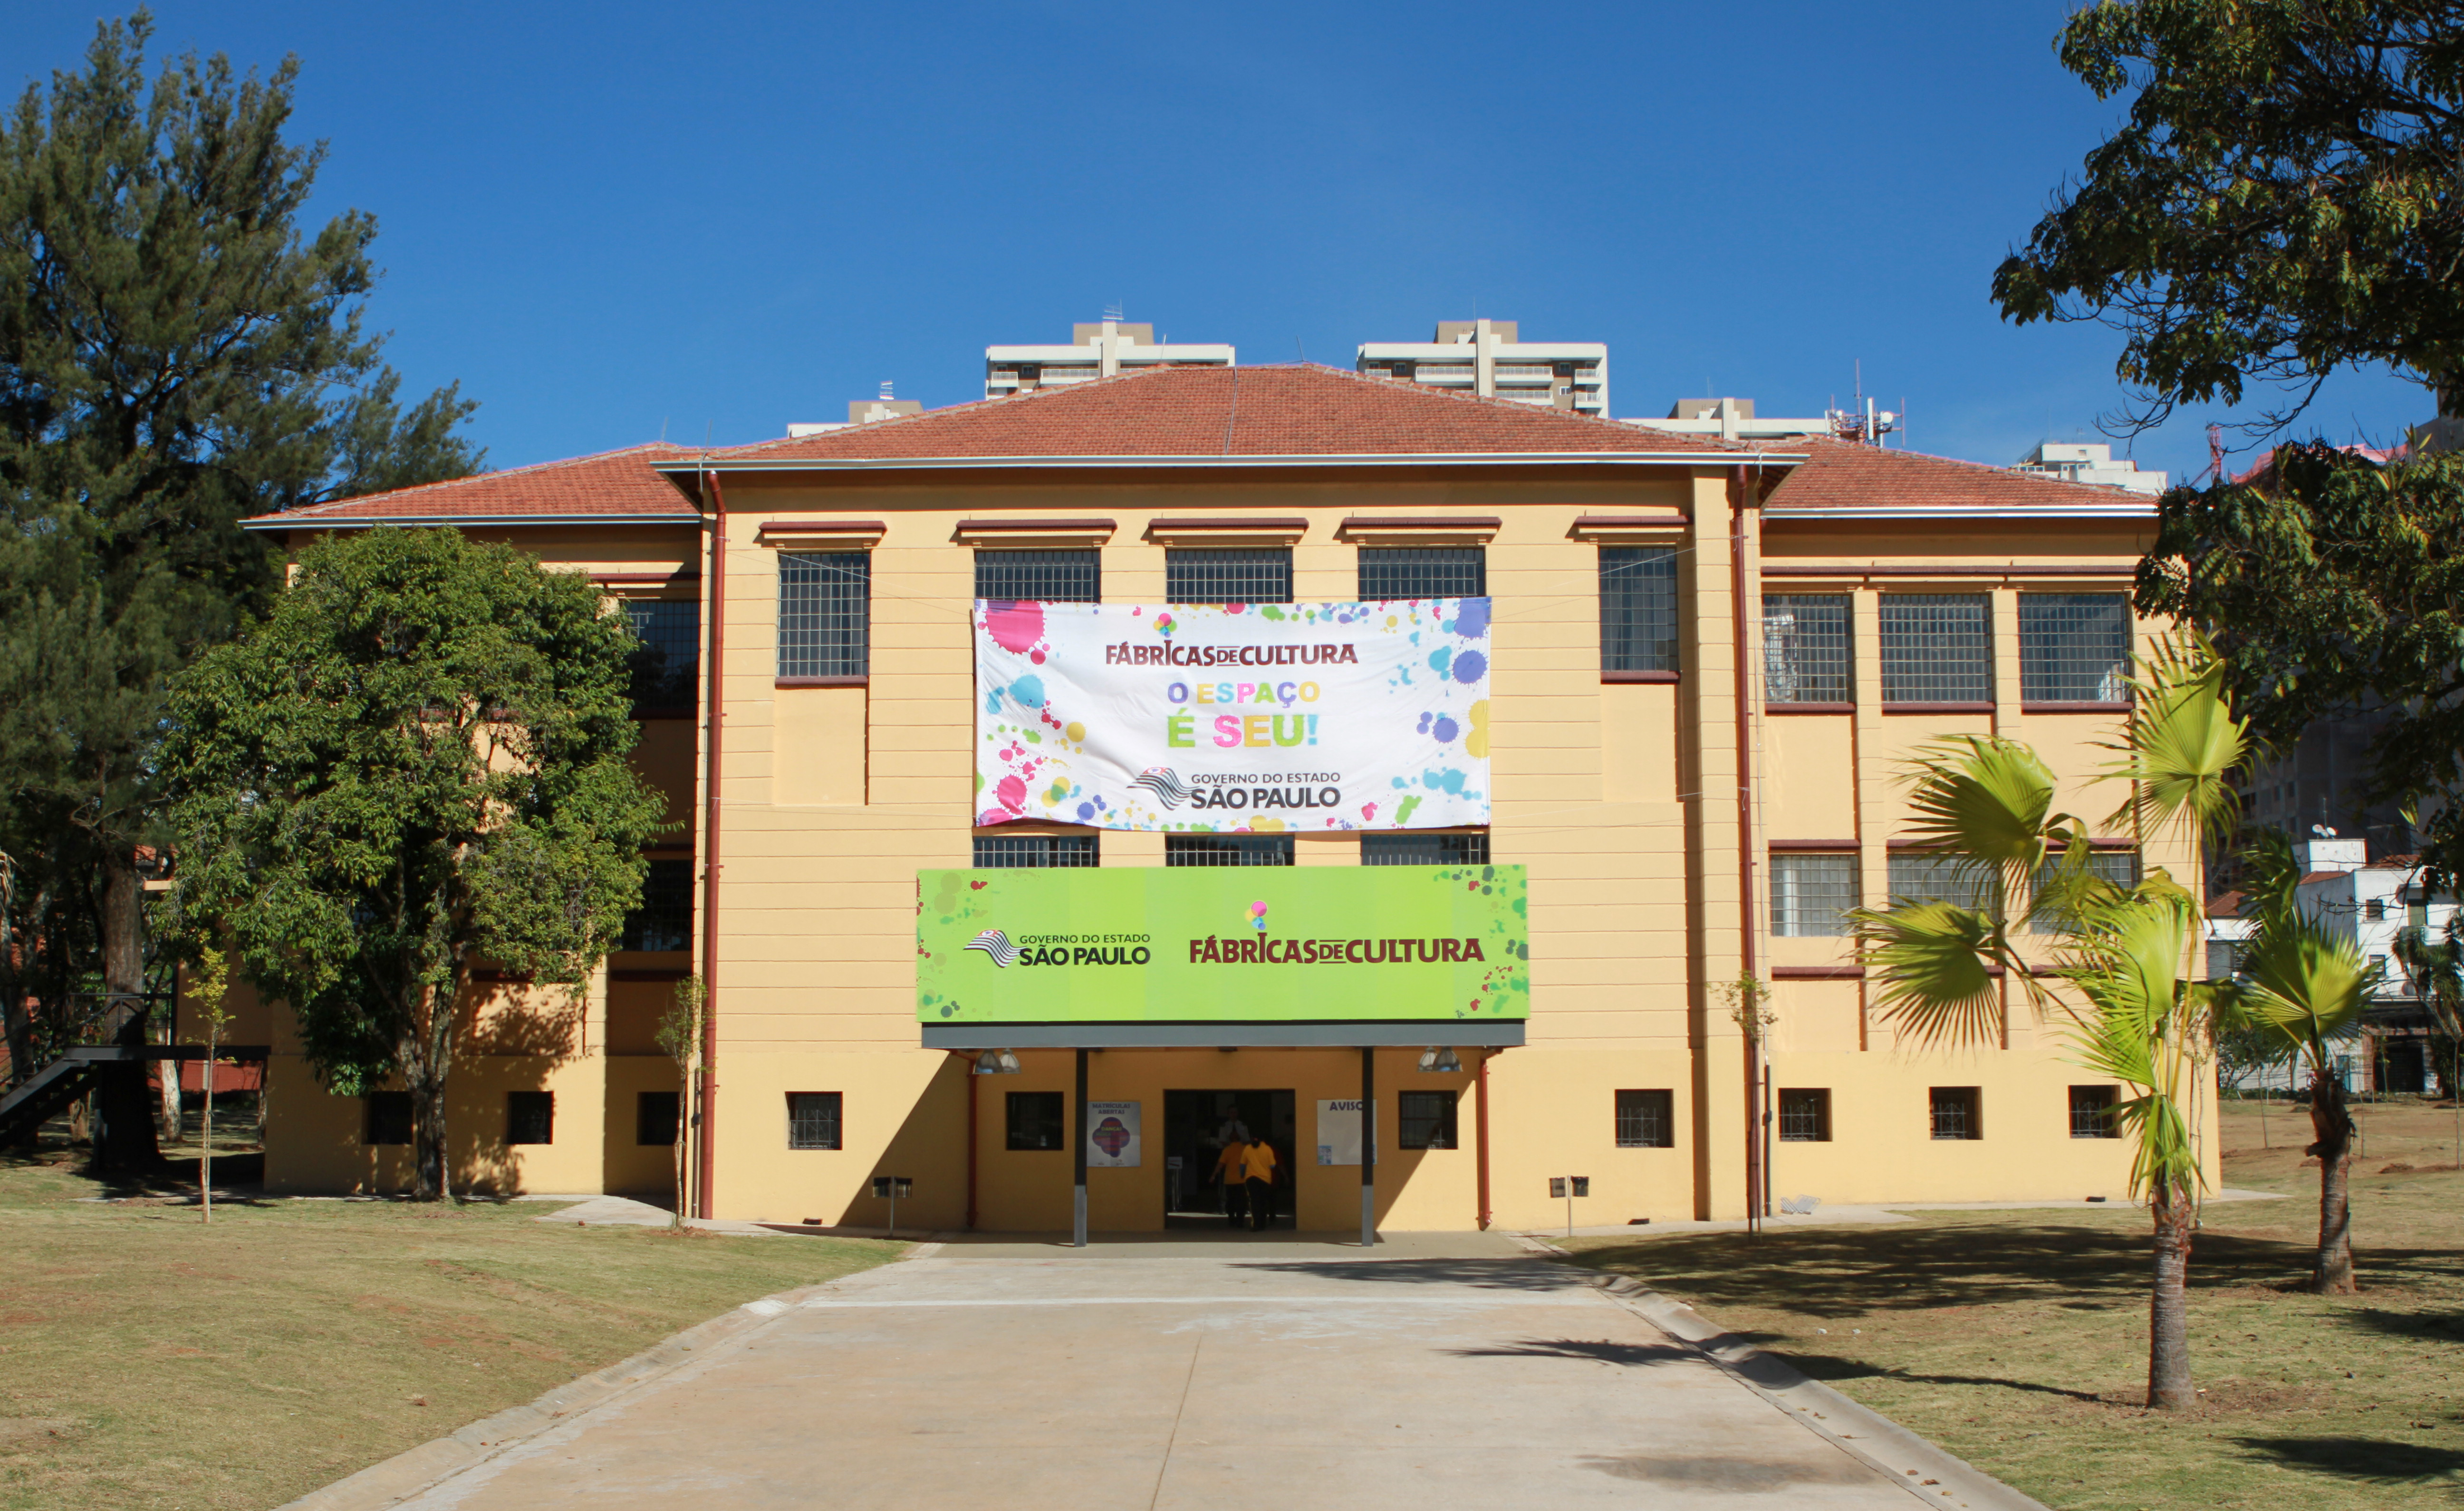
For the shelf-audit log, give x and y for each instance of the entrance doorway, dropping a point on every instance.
(1195, 1124)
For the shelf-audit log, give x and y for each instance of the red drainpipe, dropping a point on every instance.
(1746, 847)
(702, 1204)
(1480, 1136)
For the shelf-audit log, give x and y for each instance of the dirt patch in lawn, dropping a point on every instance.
(2018, 1340)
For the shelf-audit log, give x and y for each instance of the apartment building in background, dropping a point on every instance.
(1702, 663)
(1488, 358)
(1101, 349)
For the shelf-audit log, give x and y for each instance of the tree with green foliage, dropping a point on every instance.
(175, 356)
(2281, 201)
(416, 764)
(1940, 970)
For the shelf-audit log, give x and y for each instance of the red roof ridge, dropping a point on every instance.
(1860, 449)
(1626, 428)
(311, 511)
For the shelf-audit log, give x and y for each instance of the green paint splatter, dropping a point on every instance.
(1404, 810)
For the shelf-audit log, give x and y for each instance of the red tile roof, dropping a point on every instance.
(620, 482)
(1301, 411)
(1844, 475)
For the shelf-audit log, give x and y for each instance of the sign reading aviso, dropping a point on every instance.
(1252, 718)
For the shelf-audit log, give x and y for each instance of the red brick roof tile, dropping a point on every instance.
(620, 482)
(1844, 475)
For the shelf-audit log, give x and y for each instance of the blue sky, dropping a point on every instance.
(613, 220)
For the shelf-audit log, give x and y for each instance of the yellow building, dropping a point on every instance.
(1708, 661)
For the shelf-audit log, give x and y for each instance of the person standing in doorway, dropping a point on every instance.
(1231, 1175)
(1258, 1169)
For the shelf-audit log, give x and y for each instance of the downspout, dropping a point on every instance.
(704, 1208)
(1480, 1134)
(1746, 850)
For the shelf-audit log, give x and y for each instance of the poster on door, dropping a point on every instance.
(1250, 718)
(1111, 1135)
(1338, 1132)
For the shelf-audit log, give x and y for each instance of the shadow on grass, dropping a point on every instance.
(2377, 1460)
(1865, 1272)
(2433, 1326)
(1831, 1368)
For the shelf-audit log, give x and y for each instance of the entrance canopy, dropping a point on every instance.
(1461, 1033)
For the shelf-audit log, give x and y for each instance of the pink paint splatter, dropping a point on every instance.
(1011, 792)
(1368, 812)
(1015, 626)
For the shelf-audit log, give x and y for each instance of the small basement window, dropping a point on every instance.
(655, 1118)
(389, 1119)
(1956, 1113)
(1646, 1120)
(1036, 1120)
(1428, 1120)
(529, 1117)
(1805, 1115)
(2092, 1112)
(813, 1120)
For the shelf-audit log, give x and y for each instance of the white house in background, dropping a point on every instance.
(2078, 462)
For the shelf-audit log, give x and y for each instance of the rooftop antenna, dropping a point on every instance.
(1303, 350)
(1112, 312)
(2216, 454)
(885, 390)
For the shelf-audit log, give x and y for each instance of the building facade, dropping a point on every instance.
(1488, 358)
(1708, 662)
(1100, 349)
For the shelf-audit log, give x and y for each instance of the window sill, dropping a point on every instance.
(1809, 707)
(1818, 972)
(823, 681)
(1639, 676)
(1986, 707)
(2048, 705)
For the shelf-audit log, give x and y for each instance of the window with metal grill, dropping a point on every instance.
(655, 1118)
(825, 614)
(1806, 648)
(1036, 1122)
(2073, 647)
(666, 665)
(1809, 893)
(388, 1118)
(994, 851)
(1244, 575)
(1228, 849)
(1939, 879)
(2117, 868)
(2091, 1111)
(813, 1120)
(1428, 1120)
(1419, 848)
(1937, 647)
(1042, 577)
(1646, 1120)
(529, 1117)
(1805, 1115)
(1405, 572)
(1638, 608)
(664, 919)
(1955, 1112)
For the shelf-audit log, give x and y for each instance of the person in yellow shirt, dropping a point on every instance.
(1258, 1169)
(1229, 1172)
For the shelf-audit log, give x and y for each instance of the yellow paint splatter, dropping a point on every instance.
(1476, 743)
(1077, 733)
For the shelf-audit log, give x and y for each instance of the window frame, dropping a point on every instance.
(676, 692)
(1069, 849)
(1792, 924)
(675, 900)
(2040, 670)
(377, 1119)
(522, 1106)
(644, 1121)
(1814, 1099)
(1397, 845)
(1436, 1124)
(1630, 616)
(804, 1122)
(1014, 1126)
(2101, 1123)
(1407, 559)
(1971, 1103)
(813, 665)
(1842, 694)
(1089, 558)
(1912, 665)
(1636, 1120)
(1201, 849)
(1182, 563)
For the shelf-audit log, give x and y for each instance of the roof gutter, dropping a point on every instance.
(893, 463)
(305, 521)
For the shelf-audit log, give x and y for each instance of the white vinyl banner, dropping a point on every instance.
(1112, 1135)
(1233, 718)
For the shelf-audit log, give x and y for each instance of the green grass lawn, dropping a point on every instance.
(150, 1361)
(2018, 1340)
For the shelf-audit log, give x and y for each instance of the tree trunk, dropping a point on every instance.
(428, 1056)
(169, 1122)
(2333, 1124)
(123, 1136)
(2168, 1315)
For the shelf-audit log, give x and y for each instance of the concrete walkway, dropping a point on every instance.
(1447, 1371)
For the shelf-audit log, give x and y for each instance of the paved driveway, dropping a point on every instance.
(1449, 1371)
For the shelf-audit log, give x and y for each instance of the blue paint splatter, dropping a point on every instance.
(1470, 665)
(1028, 690)
(1445, 729)
(1471, 619)
(1085, 811)
(1438, 659)
(1449, 780)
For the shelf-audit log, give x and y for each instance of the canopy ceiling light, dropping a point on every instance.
(996, 1062)
(1439, 1063)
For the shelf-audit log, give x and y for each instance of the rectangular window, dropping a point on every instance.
(1228, 849)
(666, 665)
(1937, 647)
(2221, 965)
(655, 1118)
(664, 919)
(2116, 869)
(1390, 573)
(529, 1117)
(1042, 577)
(1638, 608)
(1428, 1120)
(2092, 1112)
(1421, 848)
(389, 1119)
(1036, 1120)
(2374, 909)
(1806, 648)
(1955, 1112)
(1646, 1120)
(826, 614)
(1939, 879)
(1244, 575)
(2073, 647)
(813, 1120)
(999, 851)
(1805, 1115)
(1809, 893)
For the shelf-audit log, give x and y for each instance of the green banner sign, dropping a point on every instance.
(1221, 944)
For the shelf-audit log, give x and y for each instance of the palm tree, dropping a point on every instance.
(2136, 1011)
(2308, 986)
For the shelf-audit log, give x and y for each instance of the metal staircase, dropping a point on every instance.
(43, 1095)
